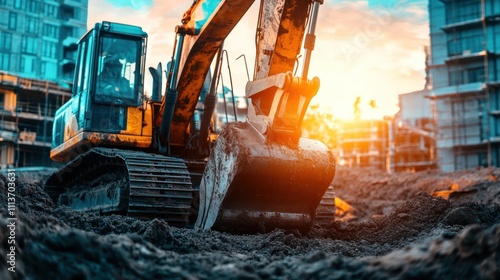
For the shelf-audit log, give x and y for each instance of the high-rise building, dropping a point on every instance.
(465, 74)
(38, 38)
(38, 45)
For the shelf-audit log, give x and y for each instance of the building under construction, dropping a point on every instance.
(38, 38)
(27, 108)
(405, 142)
(391, 145)
(465, 75)
(363, 143)
(464, 94)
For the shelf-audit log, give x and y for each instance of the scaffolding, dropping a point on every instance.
(414, 146)
(363, 143)
(389, 145)
(27, 109)
(467, 116)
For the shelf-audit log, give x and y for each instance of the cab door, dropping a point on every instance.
(116, 98)
(81, 85)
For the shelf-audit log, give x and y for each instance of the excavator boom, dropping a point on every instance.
(206, 25)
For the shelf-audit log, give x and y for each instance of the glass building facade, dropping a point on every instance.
(38, 38)
(38, 46)
(465, 75)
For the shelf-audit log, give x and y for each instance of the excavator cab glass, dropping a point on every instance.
(118, 70)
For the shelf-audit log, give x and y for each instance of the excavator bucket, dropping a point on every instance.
(250, 185)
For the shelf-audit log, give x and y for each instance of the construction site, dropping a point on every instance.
(103, 178)
(27, 108)
(387, 145)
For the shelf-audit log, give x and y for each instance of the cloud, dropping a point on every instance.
(374, 53)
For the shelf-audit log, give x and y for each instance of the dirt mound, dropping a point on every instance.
(421, 237)
(373, 193)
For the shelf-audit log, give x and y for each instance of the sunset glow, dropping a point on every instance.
(371, 49)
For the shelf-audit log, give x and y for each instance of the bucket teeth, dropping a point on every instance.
(249, 184)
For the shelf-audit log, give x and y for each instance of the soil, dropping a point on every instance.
(396, 229)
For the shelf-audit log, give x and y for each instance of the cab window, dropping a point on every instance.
(118, 70)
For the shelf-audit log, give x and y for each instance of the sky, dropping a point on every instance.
(372, 49)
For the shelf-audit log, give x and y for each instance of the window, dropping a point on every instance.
(48, 69)
(4, 61)
(76, 14)
(32, 25)
(29, 45)
(19, 4)
(465, 42)
(66, 31)
(67, 13)
(50, 30)
(33, 6)
(49, 49)
(79, 74)
(83, 70)
(5, 41)
(475, 74)
(118, 69)
(28, 64)
(466, 76)
(456, 77)
(12, 21)
(80, 14)
(50, 10)
(457, 11)
(4, 18)
(88, 57)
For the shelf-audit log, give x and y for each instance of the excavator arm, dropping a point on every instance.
(261, 173)
(205, 26)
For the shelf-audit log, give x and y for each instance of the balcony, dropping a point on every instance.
(477, 22)
(27, 136)
(493, 18)
(459, 89)
(36, 111)
(31, 138)
(8, 135)
(70, 42)
(466, 56)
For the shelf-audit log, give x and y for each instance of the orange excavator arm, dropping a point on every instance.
(206, 24)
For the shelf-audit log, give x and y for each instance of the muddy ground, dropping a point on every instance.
(395, 228)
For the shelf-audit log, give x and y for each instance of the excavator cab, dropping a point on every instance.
(104, 135)
(107, 92)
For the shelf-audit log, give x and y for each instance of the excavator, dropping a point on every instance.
(146, 157)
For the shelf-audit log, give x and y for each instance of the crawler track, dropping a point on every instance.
(325, 213)
(132, 183)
